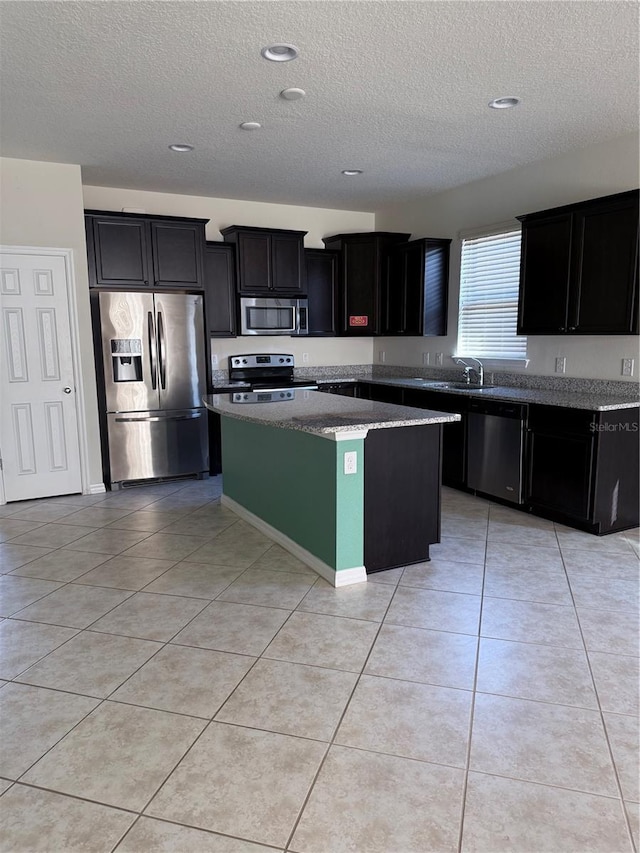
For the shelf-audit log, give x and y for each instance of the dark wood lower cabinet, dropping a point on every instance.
(583, 467)
(401, 495)
(454, 435)
(346, 389)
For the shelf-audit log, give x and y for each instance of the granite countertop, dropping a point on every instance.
(565, 399)
(326, 414)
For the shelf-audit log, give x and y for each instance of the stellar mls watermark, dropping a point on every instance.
(621, 427)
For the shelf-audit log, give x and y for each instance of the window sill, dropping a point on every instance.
(496, 363)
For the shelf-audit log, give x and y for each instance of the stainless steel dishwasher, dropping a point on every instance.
(495, 448)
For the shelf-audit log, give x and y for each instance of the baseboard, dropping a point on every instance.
(344, 577)
(95, 489)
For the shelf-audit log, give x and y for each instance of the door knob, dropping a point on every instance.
(67, 390)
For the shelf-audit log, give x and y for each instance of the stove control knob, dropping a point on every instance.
(246, 396)
(288, 360)
(281, 360)
(244, 360)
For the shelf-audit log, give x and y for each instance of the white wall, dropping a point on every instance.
(318, 222)
(221, 212)
(598, 170)
(41, 205)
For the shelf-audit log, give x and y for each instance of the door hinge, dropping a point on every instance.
(1, 468)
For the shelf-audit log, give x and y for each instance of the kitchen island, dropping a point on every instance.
(349, 486)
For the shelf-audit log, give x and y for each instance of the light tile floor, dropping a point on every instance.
(171, 680)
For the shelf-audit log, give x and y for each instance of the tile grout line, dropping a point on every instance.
(331, 742)
(465, 785)
(614, 765)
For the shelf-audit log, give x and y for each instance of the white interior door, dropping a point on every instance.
(38, 420)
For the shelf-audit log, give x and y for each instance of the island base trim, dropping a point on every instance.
(342, 577)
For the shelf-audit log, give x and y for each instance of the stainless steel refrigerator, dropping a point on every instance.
(154, 370)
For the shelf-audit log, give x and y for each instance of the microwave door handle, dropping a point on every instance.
(302, 319)
(153, 354)
(162, 352)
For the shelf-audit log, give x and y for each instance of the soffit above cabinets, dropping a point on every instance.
(398, 90)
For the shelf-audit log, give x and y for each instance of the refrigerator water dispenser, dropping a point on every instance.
(126, 358)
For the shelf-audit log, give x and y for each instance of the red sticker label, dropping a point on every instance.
(358, 320)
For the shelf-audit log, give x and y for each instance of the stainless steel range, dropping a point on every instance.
(266, 378)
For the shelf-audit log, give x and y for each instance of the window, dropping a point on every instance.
(488, 312)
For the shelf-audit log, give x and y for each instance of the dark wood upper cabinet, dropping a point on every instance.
(268, 260)
(121, 254)
(579, 268)
(322, 290)
(416, 288)
(363, 274)
(219, 290)
(177, 254)
(133, 252)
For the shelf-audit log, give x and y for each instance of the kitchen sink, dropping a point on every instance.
(456, 386)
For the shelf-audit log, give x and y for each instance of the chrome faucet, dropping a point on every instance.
(468, 369)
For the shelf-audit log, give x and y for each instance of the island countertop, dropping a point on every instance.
(326, 414)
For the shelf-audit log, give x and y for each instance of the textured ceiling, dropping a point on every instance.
(398, 89)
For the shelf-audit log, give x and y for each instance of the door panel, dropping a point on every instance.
(286, 263)
(38, 419)
(128, 335)
(181, 358)
(121, 252)
(544, 275)
(144, 445)
(606, 246)
(176, 254)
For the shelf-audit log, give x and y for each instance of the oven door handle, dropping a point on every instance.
(287, 388)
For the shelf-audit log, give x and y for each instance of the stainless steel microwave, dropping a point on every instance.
(273, 316)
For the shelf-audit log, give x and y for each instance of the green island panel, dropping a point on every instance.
(295, 482)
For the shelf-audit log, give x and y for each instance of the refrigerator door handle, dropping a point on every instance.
(188, 417)
(162, 351)
(152, 349)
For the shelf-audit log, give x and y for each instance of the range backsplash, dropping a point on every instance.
(511, 380)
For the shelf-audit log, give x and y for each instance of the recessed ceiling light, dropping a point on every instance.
(292, 94)
(181, 147)
(280, 52)
(351, 172)
(504, 103)
(250, 125)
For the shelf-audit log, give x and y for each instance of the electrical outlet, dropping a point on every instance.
(439, 358)
(628, 365)
(382, 356)
(305, 357)
(426, 357)
(214, 360)
(351, 462)
(561, 364)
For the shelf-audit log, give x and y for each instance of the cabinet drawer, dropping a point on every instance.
(555, 419)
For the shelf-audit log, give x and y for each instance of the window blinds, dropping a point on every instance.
(489, 280)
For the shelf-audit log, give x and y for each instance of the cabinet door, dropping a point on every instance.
(414, 288)
(322, 290)
(454, 435)
(605, 270)
(360, 288)
(395, 284)
(544, 275)
(219, 290)
(560, 466)
(287, 264)
(254, 263)
(121, 253)
(433, 274)
(177, 254)
(386, 393)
